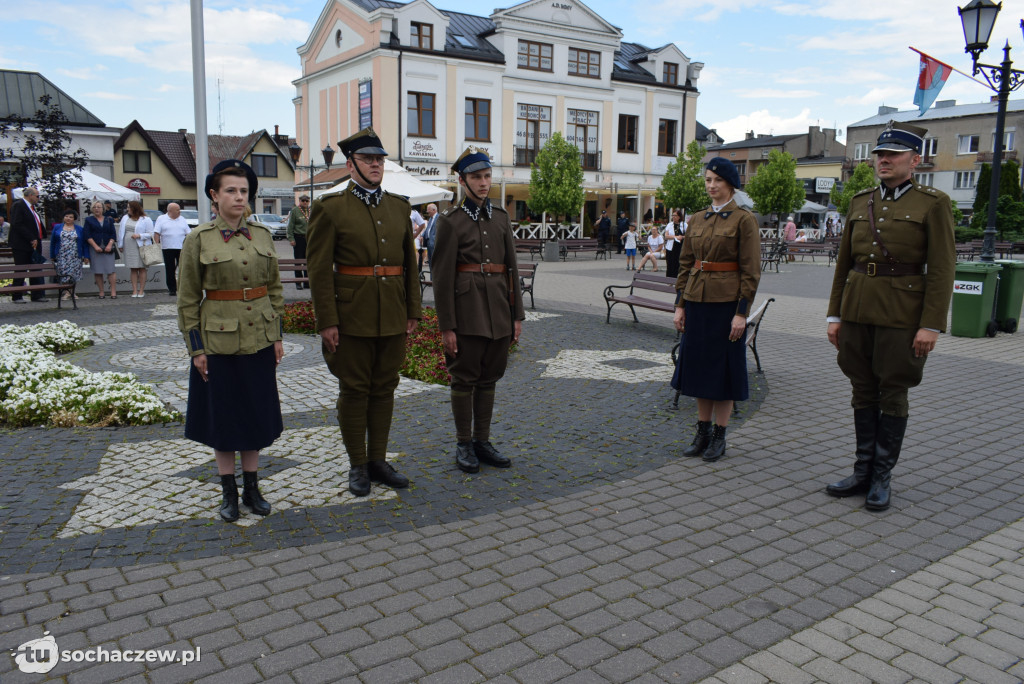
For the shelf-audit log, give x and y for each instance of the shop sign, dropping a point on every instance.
(421, 149)
(824, 185)
(142, 186)
(365, 104)
(423, 170)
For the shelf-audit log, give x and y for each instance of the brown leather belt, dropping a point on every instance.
(369, 270)
(481, 268)
(716, 265)
(872, 269)
(245, 294)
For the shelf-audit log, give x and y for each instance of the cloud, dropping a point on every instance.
(768, 93)
(763, 121)
(100, 95)
(84, 73)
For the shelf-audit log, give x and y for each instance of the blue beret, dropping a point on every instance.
(724, 168)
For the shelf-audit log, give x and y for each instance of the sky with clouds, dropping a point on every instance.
(771, 66)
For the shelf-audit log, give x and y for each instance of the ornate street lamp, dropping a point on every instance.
(296, 152)
(978, 18)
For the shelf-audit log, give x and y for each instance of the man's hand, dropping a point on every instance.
(329, 336)
(517, 330)
(451, 347)
(199, 362)
(833, 334)
(291, 242)
(924, 342)
(410, 325)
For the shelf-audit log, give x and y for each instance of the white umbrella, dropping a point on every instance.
(400, 182)
(94, 188)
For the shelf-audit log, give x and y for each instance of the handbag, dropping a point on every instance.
(37, 257)
(152, 255)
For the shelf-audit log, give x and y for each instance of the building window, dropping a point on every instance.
(582, 132)
(628, 126)
(478, 119)
(1007, 141)
(671, 73)
(964, 180)
(931, 147)
(421, 114)
(860, 151)
(533, 129)
(536, 56)
(967, 144)
(584, 63)
(924, 178)
(741, 169)
(265, 165)
(136, 161)
(666, 137)
(422, 35)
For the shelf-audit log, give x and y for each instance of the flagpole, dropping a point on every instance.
(951, 68)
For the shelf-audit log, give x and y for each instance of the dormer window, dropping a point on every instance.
(422, 35)
(536, 56)
(584, 63)
(671, 74)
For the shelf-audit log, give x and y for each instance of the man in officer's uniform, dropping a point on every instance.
(479, 307)
(366, 295)
(890, 297)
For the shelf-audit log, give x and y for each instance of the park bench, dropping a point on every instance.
(773, 252)
(26, 271)
(290, 266)
(576, 245)
(642, 283)
(6, 254)
(813, 249)
(531, 246)
(753, 327)
(527, 273)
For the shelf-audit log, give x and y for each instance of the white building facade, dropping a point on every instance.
(432, 82)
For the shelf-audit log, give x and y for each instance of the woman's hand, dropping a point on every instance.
(135, 236)
(739, 324)
(679, 320)
(199, 362)
(278, 352)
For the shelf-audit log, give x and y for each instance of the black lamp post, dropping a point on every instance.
(978, 18)
(296, 152)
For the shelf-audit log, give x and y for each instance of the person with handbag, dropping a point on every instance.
(133, 233)
(229, 311)
(101, 235)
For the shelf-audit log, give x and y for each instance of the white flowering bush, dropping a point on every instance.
(36, 388)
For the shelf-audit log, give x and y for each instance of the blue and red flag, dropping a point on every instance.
(930, 81)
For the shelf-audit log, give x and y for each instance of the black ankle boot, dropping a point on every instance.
(865, 423)
(700, 440)
(486, 453)
(887, 451)
(465, 459)
(251, 496)
(359, 480)
(716, 447)
(229, 504)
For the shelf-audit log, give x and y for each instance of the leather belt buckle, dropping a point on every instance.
(872, 269)
(375, 267)
(245, 293)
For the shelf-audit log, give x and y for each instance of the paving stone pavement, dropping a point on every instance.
(600, 556)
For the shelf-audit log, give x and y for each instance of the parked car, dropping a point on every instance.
(191, 216)
(153, 214)
(278, 224)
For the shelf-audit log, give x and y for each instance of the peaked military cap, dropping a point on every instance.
(471, 160)
(727, 170)
(234, 163)
(363, 142)
(901, 137)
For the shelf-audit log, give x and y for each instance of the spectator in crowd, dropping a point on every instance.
(655, 243)
(169, 232)
(68, 250)
(134, 232)
(101, 236)
(298, 223)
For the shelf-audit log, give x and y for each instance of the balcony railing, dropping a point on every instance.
(986, 157)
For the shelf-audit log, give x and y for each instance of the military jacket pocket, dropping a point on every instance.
(272, 325)
(264, 262)
(221, 335)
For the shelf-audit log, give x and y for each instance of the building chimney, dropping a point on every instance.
(183, 131)
(277, 130)
(750, 135)
(883, 110)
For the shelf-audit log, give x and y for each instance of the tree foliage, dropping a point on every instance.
(775, 188)
(1009, 184)
(556, 179)
(682, 186)
(43, 151)
(863, 178)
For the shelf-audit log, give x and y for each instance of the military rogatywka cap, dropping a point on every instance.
(473, 159)
(363, 142)
(900, 137)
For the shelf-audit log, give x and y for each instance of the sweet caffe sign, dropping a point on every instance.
(142, 186)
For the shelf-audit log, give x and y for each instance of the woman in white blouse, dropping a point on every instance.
(134, 231)
(654, 245)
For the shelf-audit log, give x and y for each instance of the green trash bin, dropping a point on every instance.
(974, 292)
(1011, 294)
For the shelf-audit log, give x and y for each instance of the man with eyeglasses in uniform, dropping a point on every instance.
(365, 290)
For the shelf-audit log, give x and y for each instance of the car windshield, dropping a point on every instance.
(189, 214)
(269, 218)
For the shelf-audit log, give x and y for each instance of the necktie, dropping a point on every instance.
(227, 233)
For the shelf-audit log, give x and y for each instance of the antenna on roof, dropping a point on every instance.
(220, 106)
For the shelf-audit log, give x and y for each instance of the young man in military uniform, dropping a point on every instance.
(890, 297)
(366, 296)
(298, 222)
(479, 307)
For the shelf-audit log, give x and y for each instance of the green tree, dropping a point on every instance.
(1009, 184)
(682, 186)
(863, 178)
(775, 188)
(42, 148)
(556, 179)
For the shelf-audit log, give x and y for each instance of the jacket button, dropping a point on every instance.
(250, 324)
(222, 327)
(245, 277)
(245, 263)
(214, 258)
(248, 308)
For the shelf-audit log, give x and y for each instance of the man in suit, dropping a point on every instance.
(890, 296)
(430, 234)
(476, 256)
(25, 238)
(366, 296)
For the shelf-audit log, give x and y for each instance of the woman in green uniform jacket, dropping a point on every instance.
(230, 303)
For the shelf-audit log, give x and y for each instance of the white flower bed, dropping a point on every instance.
(37, 388)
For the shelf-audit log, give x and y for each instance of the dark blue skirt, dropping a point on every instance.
(710, 366)
(238, 409)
